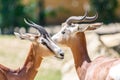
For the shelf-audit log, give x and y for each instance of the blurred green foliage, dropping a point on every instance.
(12, 13)
(50, 12)
(41, 13)
(106, 9)
(10, 10)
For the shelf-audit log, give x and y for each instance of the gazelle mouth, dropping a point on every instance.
(62, 57)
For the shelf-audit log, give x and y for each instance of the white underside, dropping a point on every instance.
(114, 72)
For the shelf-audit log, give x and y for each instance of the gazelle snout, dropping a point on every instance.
(58, 51)
(60, 54)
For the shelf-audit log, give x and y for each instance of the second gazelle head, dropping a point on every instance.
(74, 25)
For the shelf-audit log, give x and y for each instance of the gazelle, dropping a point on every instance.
(72, 35)
(42, 46)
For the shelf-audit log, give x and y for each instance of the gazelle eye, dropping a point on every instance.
(43, 42)
(63, 32)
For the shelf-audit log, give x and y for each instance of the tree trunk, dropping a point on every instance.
(41, 14)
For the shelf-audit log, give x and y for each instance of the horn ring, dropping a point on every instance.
(90, 19)
(77, 19)
(73, 19)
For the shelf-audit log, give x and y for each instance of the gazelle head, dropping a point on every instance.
(71, 27)
(43, 39)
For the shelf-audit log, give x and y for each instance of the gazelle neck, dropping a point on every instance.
(79, 50)
(32, 62)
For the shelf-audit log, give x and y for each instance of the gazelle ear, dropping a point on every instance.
(94, 26)
(17, 35)
(27, 36)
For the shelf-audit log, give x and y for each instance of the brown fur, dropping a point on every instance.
(29, 69)
(97, 69)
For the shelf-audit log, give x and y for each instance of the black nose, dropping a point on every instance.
(62, 55)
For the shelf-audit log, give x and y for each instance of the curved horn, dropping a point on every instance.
(38, 27)
(90, 19)
(73, 19)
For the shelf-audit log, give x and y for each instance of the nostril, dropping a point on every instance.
(62, 55)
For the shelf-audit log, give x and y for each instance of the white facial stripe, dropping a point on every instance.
(114, 72)
(54, 46)
(56, 49)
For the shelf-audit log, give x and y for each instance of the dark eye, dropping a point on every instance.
(43, 42)
(63, 32)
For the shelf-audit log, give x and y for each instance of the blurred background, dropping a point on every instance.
(50, 14)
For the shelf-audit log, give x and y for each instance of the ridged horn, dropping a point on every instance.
(75, 19)
(38, 27)
(90, 19)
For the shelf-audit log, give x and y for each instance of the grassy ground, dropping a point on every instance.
(48, 74)
(14, 51)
